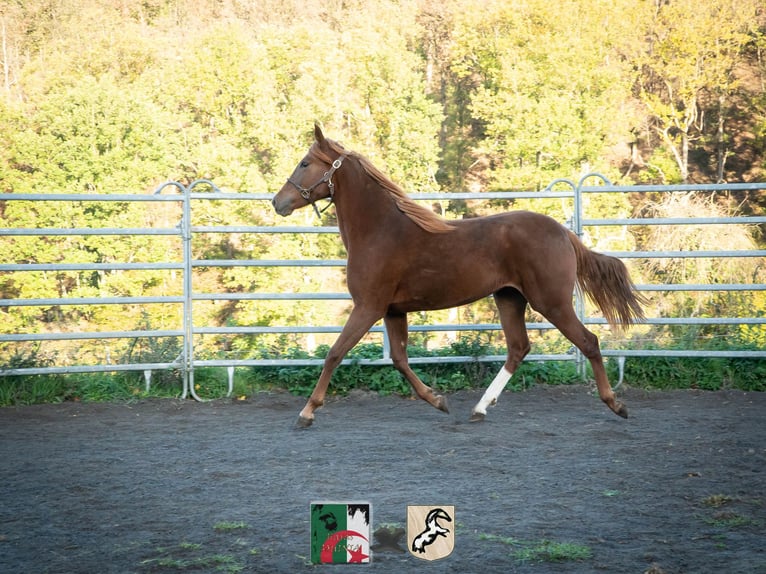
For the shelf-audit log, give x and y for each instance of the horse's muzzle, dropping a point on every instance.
(282, 206)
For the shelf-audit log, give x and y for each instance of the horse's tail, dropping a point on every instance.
(606, 282)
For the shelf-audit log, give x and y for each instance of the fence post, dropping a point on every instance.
(577, 218)
(188, 366)
(184, 228)
(575, 224)
(189, 292)
(579, 296)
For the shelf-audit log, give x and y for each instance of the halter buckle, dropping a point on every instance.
(326, 178)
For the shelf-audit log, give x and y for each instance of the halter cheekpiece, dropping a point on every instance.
(326, 178)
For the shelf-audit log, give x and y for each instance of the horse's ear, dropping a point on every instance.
(318, 135)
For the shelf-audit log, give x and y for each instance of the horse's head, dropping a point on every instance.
(312, 178)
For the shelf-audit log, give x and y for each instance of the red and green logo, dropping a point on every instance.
(340, 532)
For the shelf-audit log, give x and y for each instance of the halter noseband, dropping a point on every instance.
(326, 178)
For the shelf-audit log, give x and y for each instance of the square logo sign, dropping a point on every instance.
(431, 531)
(340, 532)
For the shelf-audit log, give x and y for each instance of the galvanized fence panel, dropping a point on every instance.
(186, 196)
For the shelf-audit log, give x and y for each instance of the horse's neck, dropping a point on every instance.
(363, 207)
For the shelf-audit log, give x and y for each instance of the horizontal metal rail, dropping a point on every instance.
(675, 188)
(86, 197)
(308, 296)
(55, 231)
(299, 230)
(90, 301)
(378, 362)
(708, 287)
(681, 353)
(269, 263)
(89, 335)
(285, 329)
(744, 220)
(271, 297)
(685, 254)
(89, 266)
(78, 369)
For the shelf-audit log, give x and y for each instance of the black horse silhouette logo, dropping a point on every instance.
(432, 530)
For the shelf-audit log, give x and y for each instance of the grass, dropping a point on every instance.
(647, 372)
(229, 526)
(550, 551)
(726, 518)
(543, 550)
(217, 562)
(717, 500)
(191, 556)
(729, 520)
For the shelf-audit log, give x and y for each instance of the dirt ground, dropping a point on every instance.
(225, 486)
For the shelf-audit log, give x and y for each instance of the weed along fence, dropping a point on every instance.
(186, 329)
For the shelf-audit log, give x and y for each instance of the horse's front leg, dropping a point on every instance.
(359, 322)
(396, 326)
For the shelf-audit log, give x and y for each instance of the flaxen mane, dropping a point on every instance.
(422, 216)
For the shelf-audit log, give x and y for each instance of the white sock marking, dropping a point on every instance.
(493, 391)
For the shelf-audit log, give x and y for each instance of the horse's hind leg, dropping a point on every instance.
(396, 326)
(566, 321)
(511, 306)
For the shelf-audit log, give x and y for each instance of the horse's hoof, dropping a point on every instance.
(441, 403)
(476, 417)
(622, 410)
(303, 422)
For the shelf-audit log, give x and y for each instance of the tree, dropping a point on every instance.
(545, 88)
(119, 95)
(689, 69)
(90, 138)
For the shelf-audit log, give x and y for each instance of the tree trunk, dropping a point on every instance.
(6, 63)
(680, 153)
(721, 152)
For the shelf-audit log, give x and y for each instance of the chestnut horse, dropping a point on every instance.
(402, 257)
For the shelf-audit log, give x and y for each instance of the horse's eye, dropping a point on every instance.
(304, 163)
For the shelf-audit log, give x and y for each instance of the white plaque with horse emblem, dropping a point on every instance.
(430, 531)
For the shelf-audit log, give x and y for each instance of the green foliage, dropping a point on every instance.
(27, 390)
(551, 551)
(544, 97)
(34, 389)
(106, 387)
(228, 526)
(543, 550)
(687, 64)
(89, 137)
(100, 97)
(663, 373)
(696, 373)
(191, 556)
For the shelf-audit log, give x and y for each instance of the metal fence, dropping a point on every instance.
(191, 195)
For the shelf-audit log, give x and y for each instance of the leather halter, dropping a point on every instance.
(326, 178)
